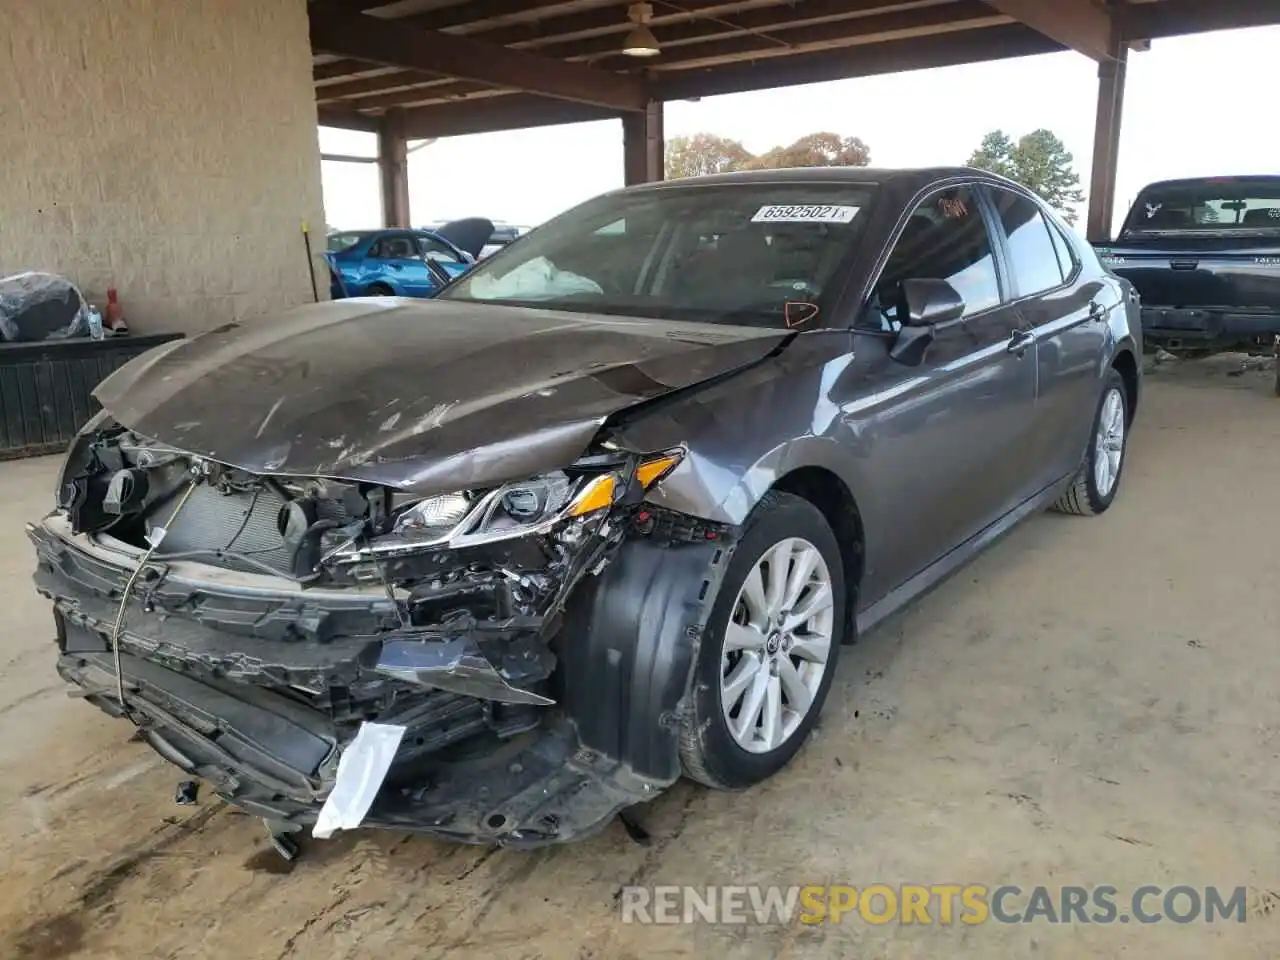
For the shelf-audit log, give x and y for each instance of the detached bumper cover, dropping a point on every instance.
(263, 714)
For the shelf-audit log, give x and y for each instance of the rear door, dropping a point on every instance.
(394, 260)
(951, 434)
(1067, 319)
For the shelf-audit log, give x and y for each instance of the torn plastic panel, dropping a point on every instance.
(456, 665)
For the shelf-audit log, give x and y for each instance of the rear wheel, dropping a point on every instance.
(379, 290)
(1098, 480)
(770, 648)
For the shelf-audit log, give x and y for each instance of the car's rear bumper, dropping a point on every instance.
(220, 690)
(1201, 328)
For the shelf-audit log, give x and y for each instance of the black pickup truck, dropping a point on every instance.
(1204, 255)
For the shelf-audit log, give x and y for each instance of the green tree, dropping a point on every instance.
(703, 154)
(815, 150)
(1039, 161)
(995, 154)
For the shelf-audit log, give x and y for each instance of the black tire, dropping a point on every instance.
(379, 290)
(708, 751)
(1083, 498)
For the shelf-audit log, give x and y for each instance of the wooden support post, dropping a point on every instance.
(393, 170)
(643, 145)
(1106, 141)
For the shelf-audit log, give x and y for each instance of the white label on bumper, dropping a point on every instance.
(361, 769)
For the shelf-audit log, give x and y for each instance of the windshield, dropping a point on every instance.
(746, 253)
(1215, 205)
(337, 242)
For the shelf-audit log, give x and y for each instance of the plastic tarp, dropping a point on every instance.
(41, 306)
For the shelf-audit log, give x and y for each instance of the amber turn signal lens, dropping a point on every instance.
(596, 495)
(651, 471)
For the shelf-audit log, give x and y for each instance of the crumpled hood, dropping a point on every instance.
(428, 395)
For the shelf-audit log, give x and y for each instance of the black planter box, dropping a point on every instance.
(45, 387)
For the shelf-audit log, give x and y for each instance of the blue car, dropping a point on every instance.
(399, 263)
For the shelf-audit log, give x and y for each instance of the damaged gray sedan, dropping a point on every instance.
(498, 565)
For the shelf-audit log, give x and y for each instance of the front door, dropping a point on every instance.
(949, 436)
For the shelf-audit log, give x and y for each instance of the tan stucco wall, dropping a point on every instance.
(166, 146)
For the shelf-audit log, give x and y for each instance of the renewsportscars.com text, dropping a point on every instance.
(939, 903)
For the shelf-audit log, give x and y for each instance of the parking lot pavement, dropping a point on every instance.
(1091, 702)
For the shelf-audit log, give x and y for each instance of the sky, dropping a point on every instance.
(1177, 122)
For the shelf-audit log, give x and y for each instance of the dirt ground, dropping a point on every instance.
(1091, 702)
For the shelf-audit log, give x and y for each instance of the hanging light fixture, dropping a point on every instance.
(640, 41)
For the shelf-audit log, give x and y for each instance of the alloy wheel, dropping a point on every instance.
(776, 645)
(1109, 442)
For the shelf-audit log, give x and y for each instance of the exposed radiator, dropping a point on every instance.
(240, 522)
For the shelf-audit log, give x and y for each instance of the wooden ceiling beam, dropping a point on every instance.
(478, 15)
(398, 44)
(1082, 25)
(965, 15)
(610, 21)
(1171, 18)
(388, 83)
(415, 96)
(920, 53)
(515, 112)
(813, 19)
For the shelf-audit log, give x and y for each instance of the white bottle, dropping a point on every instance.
(95, 323)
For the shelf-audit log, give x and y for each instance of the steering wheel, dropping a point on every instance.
(801, 287)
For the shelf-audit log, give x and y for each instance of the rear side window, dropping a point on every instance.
(1033, 255)
(1065, 251)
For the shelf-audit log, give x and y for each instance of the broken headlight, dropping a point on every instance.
(511, 506)
(514, 509)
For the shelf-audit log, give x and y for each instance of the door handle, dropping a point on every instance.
(1020, 340)
(396, 266)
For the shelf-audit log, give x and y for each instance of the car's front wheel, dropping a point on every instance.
(1095, 485)
(769, 652)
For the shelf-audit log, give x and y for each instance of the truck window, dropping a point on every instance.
(1209, 205)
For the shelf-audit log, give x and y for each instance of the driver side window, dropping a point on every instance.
(945, 238)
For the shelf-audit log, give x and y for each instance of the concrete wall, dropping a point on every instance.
(166, 146)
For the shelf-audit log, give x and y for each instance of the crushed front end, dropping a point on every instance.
(533, 639)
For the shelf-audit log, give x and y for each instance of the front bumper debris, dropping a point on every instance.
(256, 686)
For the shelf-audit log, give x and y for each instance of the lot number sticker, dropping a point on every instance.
(805, 213)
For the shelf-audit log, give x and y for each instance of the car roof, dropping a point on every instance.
(377, 230)
(871, 176)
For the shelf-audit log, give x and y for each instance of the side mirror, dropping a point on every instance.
(929, 302)
(924, 306)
